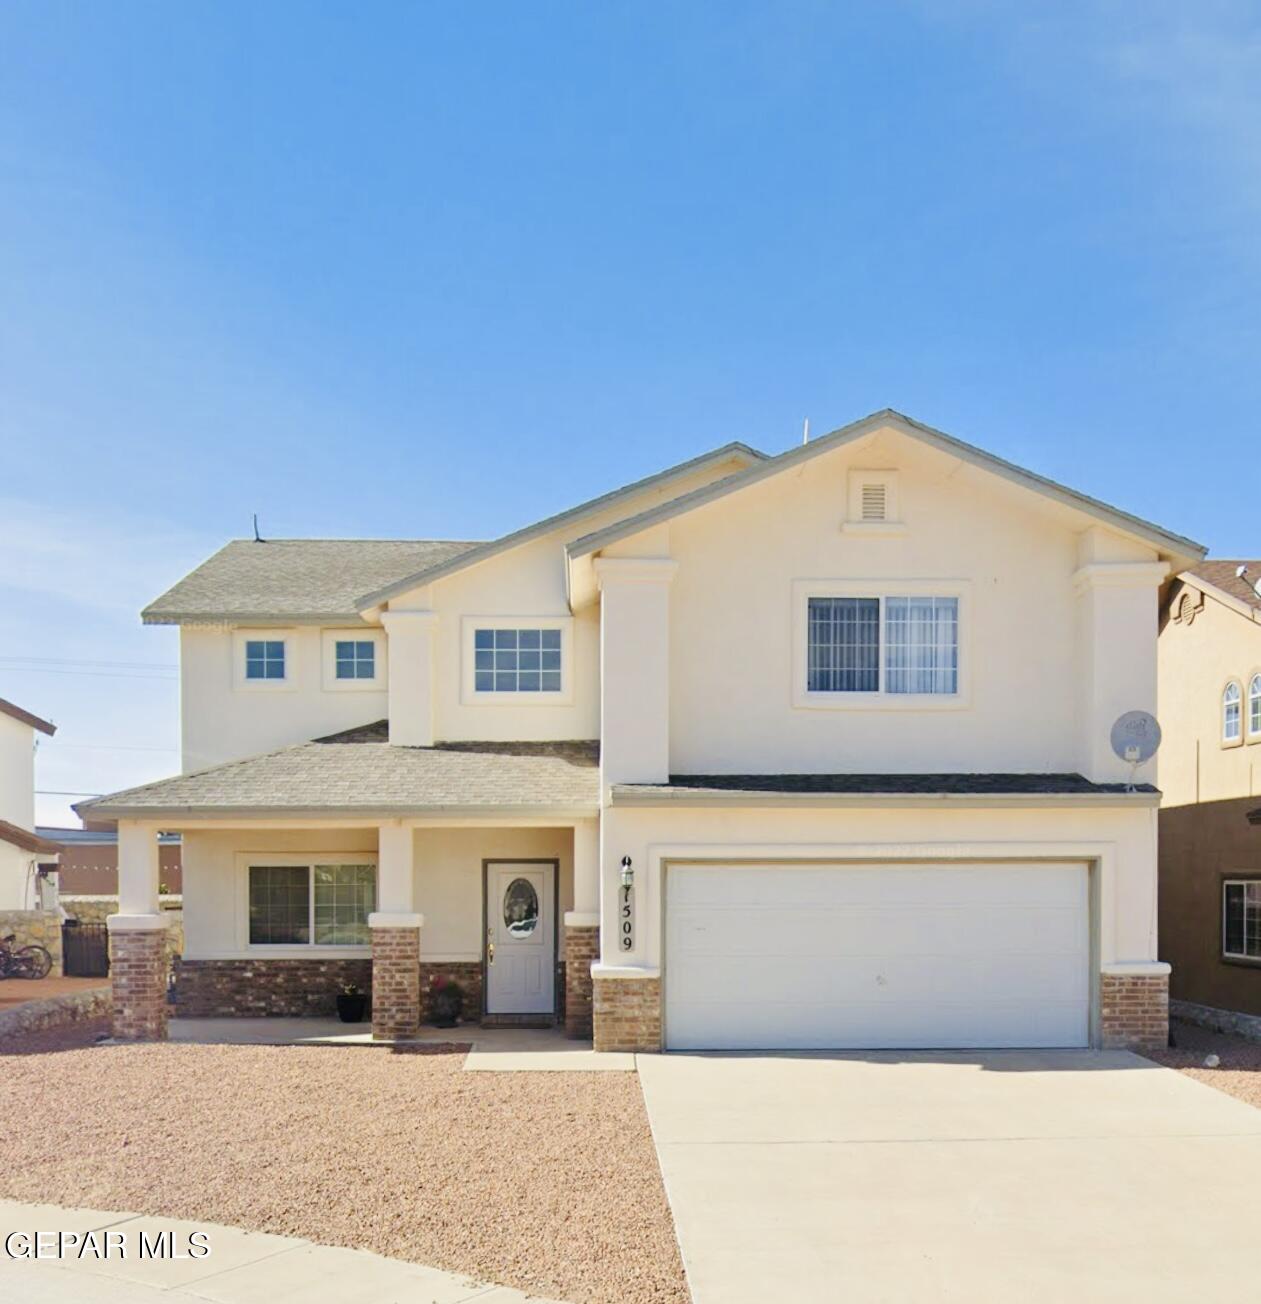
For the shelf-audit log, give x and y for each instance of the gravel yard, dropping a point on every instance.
(544, 1181)
(1239, 1073)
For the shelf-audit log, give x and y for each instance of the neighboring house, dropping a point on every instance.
(797, 751)
(22, 849)
(1210, 776)
(89, 860)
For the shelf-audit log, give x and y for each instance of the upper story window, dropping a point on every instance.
(1241, 919)
(517, 660)
(894, 645)
(264, 658)
(1254, 706)
(1232, 714)
(355, 658)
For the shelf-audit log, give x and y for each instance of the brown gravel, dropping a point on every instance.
(544, 1181)
(1239, 1073)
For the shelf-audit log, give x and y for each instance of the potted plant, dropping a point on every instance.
(352, 1003)
(446, 1001)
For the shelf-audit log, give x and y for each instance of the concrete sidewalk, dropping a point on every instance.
(1045, 1176)
(241, 1268)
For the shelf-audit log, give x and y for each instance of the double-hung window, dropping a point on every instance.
(1232, 713)
(519, 660)
(264, 658)
(894, 645)
(1241, 919)
(1254, 706)
(313, 904)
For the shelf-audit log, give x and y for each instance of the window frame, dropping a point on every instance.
(881, 699)
(1249, 700)
(470, 695)
(246, 860)
(1235, 740)
(241, 638)
(367, 634)
(1245, 881)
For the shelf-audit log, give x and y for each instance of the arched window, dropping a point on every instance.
(1232, 724)
(1254, 705)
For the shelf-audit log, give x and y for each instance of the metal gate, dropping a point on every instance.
(85, 950)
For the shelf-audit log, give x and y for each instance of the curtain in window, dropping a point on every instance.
(921, 645)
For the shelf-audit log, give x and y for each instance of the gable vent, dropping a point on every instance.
(874, 502)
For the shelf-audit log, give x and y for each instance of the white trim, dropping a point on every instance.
(240, 637)
(242, 862)
(1119, 574)
(675, 797)
(805, 589)
(1136, 969)
(1244, 882)
(329, 638)
(136, 923)
(385, 919)
(582, 919)
(628, 971)
(469, 696)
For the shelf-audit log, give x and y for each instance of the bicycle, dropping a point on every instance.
(25, 961)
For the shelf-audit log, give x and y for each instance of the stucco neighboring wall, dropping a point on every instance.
(17, 772)
(448, 884)
(17, 878)
(1196, 660)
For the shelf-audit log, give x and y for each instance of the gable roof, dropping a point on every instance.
(734, 451)
(359, 772)
(293, 580)
(1155, 535)
(1220, 577)
(17, 836)
(35, 721)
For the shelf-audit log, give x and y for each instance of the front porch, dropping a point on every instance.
(283, 917)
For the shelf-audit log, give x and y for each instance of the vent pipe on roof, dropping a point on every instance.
(258, 538)
(805, 432)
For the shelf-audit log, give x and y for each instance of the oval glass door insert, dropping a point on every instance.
(521, 908)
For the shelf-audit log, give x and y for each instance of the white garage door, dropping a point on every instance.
(809, 956)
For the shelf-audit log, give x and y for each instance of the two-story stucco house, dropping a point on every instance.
(22, 849)
(797, 751)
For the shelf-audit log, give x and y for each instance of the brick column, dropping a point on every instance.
(1134, 1009)
(582, 947)
(395, 975)
(626, 1012)
(138, 969)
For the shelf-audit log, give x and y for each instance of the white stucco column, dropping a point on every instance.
(586, 911)
(635, 668)
(396, 891)
(138, 869)
(1116, 631)
(410, 634)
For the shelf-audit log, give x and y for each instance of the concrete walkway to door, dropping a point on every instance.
(931, 1176)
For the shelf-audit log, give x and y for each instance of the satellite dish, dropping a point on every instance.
(1135, 737)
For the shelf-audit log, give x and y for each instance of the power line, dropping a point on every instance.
(109, 747)
(95, 674)
(113, 665)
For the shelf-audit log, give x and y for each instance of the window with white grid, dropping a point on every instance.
(843, 645)
(517, 660)
(921, 649)
(1232, 714)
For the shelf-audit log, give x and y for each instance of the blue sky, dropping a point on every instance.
(437, 270)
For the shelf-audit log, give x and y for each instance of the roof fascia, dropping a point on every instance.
(1174, 544)
(485, 551)
(631, 796)
(1220, 595)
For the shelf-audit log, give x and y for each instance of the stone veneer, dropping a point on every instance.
(218, 989)
(582, 946)
(395, 982)
(1134, 1011)
(34, 928)
(626, 1014)
(138, 972)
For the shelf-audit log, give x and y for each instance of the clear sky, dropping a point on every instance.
(437, 270)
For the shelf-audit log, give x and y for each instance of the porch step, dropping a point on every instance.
(518, 1021)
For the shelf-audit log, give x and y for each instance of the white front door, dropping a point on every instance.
(808, 956)
(520, 937)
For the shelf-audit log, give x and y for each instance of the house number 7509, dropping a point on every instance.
(628, 921)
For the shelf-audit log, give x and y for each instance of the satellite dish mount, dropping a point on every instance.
(1135, 738)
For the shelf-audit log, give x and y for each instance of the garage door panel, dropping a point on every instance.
(945, 955)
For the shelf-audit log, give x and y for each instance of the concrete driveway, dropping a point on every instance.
(928, 1176)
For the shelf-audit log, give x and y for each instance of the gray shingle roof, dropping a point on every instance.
(359, 773)
(294, 579)
(698, 787)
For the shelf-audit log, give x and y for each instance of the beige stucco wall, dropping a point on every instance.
(1196, 661)
(17, 772)
(1123, 841)
(448, 883)
(17, 878)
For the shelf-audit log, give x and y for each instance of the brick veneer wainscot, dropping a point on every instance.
(395, 982)
(138, 970)
(1134, 1011)
(626, 1014)
(582, 946)
(224, 989)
